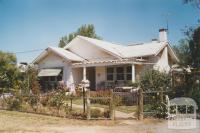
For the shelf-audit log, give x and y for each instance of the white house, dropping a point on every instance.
(106, 64)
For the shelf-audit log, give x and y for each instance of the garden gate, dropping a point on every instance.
(125, 103)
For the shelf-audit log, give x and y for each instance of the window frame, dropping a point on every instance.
(110, 74)
(129, 73)
(120, 73)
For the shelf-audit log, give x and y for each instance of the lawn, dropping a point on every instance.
(12, 121)
(18, 122)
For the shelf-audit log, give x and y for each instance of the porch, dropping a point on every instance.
(109, 76)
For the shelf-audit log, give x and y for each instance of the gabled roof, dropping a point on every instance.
(111, 48)
(124, 51)
(144, 49)
(61, 52)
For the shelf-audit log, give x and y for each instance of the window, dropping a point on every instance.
(110, 73)
(53, 78)
(59, 78)
(128, 73)
(120, 73)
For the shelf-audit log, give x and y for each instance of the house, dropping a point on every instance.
(104, 64)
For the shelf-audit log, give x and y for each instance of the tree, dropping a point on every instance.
(188, 49)
(193, 2)
(34, 85)
(84, 30)
(194, 44)
(8, 70)
(183, 52)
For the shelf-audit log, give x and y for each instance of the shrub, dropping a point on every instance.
(57, 100)
(161, 110)
(117, 100)
(153, 80)
(33, 101)
(44, 100)
(106, 113)
(14, 103)
(95, 113)
(78, 115)
(33, 80)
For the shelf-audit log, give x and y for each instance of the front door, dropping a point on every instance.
(90, 74)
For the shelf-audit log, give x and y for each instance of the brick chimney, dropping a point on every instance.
(163, 35)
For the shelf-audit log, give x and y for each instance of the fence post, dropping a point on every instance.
(71, 103)
(140, 104)
(88, 104)
(111, 105)
(83, 99)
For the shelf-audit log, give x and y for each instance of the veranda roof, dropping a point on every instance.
(49, 72)
(111, 62)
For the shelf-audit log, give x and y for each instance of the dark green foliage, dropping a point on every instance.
(8, 70)
(153, 84)
(195, 48)
(84, 30)
(161, 110)
(183, 52)
(189, 86)
(153, 80)
(62, 42)
(188, 49)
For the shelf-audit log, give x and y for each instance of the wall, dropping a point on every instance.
(54, 61)
(51, 60)
(138, 71)
(100, 75)
(77, 75)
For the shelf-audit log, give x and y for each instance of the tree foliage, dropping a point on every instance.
(34, 85)
(188, 49)
(84, 30)
(193, 2)
(194, 44)
(183, 52)
(8, 70)
(153, 80)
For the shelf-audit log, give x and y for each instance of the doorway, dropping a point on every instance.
(90, 74)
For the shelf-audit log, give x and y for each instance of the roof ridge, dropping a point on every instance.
(100, 40)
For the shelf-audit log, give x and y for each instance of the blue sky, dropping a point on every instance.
(36, 24)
